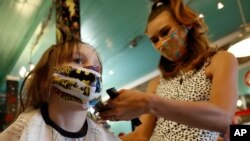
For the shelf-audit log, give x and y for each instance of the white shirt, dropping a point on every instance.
(30, 126)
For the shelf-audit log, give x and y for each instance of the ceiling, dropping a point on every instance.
(26, 31)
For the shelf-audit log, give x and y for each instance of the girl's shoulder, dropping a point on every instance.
(15, 130)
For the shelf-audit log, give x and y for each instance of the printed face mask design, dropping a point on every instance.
(173, 46)
(81, 85)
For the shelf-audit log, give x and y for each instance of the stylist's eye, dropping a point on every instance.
(154, 40)
(164, 32)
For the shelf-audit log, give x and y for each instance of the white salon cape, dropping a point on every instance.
(30, 126)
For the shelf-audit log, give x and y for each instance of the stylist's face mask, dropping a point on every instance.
(79, 84)
(173, 46)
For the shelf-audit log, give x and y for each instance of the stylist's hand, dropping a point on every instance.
(128, 105)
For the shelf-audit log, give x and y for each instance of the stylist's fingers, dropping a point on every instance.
(110, 114)
(122, 91)
(115, 107)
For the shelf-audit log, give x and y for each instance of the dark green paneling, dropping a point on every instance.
(16, 30)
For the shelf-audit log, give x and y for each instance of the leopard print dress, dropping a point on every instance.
(188, 86)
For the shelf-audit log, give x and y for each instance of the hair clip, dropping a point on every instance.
(156, 5)
(159, 4)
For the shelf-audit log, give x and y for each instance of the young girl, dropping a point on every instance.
(56, 96)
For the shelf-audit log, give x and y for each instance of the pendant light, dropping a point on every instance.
(241, 46)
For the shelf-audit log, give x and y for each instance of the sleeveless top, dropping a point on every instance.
(188, 86)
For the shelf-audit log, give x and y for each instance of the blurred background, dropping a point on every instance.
(116, 29)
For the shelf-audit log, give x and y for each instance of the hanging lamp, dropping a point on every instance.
(241, 46)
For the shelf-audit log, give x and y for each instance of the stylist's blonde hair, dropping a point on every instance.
(197, 42)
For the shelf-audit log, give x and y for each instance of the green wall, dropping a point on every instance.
(121, 126)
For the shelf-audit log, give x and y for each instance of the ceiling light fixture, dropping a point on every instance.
(23, 71)
(240, 47)
(201, 16)
(111, 72)
(239, 102)
(220, 5)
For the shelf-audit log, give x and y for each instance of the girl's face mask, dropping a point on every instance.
(173, 46)
(81, 85)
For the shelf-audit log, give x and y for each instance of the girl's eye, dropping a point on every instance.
(78, 61)
(95, 68)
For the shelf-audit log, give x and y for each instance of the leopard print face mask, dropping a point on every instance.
(81, 85)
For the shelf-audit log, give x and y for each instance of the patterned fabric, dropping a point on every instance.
(172, 46)
(30, 126)
(189, 86)
(78, 84)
